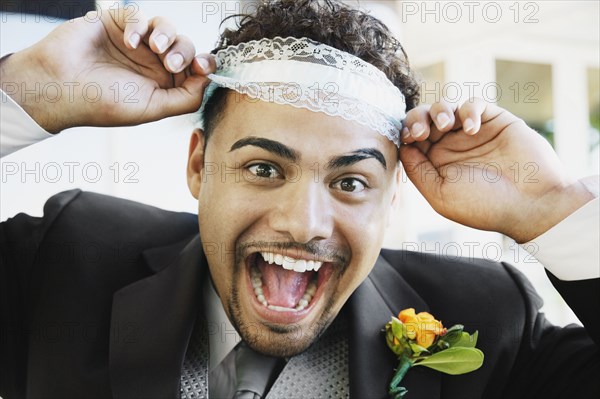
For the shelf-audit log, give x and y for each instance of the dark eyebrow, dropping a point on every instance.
(357, 156)
(272, 146)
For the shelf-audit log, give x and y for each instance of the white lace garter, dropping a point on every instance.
(307, 74)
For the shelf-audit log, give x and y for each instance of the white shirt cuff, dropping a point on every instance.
(17, 128)
(570, 249)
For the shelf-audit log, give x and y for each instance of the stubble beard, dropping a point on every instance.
(275, 339)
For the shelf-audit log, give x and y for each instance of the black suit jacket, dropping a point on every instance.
(99, 298)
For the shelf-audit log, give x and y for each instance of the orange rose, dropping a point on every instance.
(423, 326)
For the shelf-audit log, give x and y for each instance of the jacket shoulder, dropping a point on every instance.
(89, 234)
(465, 286)
(450, 267)
(78, 214)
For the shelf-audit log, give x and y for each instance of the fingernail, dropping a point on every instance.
(417, 130)
(442, 120)
(161, 42)
(405, 133)
(204, 64)
(175, 61)
(134, 39)
(468, 125)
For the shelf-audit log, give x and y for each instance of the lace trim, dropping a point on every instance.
(381, 105)
(298, 49)
(324, 101)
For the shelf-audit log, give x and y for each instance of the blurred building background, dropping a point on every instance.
(538, 59)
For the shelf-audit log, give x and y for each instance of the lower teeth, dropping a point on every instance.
(255, 277)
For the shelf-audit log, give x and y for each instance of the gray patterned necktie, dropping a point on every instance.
(194, 373)
(320, 372)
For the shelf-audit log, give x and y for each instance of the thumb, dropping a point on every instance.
(184, 99)
(421, 172)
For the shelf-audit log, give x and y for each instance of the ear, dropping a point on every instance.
(195, 163)
(395, 204)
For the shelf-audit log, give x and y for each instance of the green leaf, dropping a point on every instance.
(453, 334)
(454, 361)
(466, 340)
(397, 327)
(417, 349)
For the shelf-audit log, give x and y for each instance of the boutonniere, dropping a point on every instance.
(421, 340)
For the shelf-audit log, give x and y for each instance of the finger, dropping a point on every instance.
(443, 115)
(201, 65)
(470, 114)
(417, 124)
(204, 64)
(405, 135)
(179, 100)
(162, 36)
(180, 55)
(132, 22)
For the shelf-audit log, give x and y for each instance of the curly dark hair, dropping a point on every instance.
(329, 22)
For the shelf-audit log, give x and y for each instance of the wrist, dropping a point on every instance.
(547, 211)
(22, 81)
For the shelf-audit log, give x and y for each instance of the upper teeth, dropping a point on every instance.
(288, 263)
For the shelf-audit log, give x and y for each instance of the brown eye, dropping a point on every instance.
(264, 170)
(350, 185)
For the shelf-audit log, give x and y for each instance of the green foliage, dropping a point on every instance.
(466, 340)
(452, 352)
(454, 361)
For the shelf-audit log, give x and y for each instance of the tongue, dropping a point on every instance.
(282, 287)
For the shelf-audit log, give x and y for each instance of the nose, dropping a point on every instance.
(304, 211)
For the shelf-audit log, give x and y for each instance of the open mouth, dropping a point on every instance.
(286, 285)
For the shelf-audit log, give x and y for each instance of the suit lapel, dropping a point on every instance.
(383, 294)
(152, 320)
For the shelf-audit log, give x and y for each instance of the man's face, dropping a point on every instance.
(283, 192)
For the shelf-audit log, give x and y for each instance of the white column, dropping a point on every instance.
(571, 115)
(473, 72)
